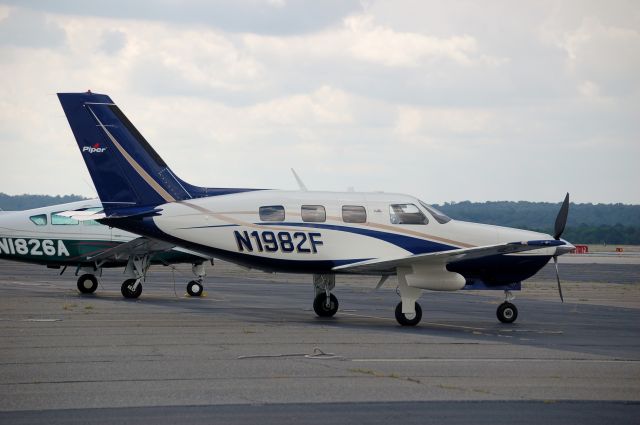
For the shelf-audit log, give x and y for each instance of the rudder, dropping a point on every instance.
(125, 169)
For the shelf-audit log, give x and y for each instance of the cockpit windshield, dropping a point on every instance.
(440, 217)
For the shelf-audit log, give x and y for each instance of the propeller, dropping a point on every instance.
(555, 261)
(561, 219)
(561, 222)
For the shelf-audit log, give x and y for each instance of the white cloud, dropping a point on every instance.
(361, 38)
(28, 28)
(608, 56)
(507, 104)
(381, 44)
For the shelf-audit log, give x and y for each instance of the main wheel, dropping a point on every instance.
(408, 319)
(320, 305)
(128, 291)
(194, 288)
(507, 312)
(87, 284)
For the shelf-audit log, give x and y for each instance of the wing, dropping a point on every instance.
(387, 265)
(141, 246)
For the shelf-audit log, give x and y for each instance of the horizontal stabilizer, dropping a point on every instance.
(83, 214)
(133, 212)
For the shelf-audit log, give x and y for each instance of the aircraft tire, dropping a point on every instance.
(507, 312)
(126, 290)
(194, 288)
(87, 284)
(406, 321)
(320, 306)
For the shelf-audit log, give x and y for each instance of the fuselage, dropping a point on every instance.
(312, 232)
(42, 236)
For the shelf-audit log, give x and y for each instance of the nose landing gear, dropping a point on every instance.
(195, 288)
(507, 312)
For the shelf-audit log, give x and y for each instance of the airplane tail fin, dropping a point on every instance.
(125, 169)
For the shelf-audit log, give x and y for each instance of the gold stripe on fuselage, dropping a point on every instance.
(394, 229)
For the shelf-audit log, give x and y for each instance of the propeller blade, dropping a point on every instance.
(555, 260)
(561, 219)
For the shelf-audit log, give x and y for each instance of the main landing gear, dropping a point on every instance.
(88, 283)
(409, 319)
(131, 288)
(137, 267)
(325, 304)
(408, 311)
(507, 312)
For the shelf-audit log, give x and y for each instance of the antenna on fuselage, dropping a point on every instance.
(299, 181)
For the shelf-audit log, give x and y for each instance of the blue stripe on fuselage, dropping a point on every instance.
(147, 227)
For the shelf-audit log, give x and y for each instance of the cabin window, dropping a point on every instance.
(60, 219)
(440, 217)
(406, 214)
(314, 213)
(354, 214)
(39, 220)
(272, 213)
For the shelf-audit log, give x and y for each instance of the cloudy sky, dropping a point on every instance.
(445, 100)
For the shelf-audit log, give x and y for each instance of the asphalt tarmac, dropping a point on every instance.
(252, 351)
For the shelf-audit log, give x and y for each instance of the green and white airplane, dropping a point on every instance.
(67, 235)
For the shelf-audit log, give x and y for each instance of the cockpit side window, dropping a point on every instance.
(39, 220)
(440, 217)
(60, 219)
(406, 214)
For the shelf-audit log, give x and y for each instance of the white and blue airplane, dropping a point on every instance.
(67, 235)
(314, 232)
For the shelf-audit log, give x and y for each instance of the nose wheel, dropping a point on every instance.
(507, 312)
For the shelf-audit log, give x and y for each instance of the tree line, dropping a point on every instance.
(587, 223)
(27, 202)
